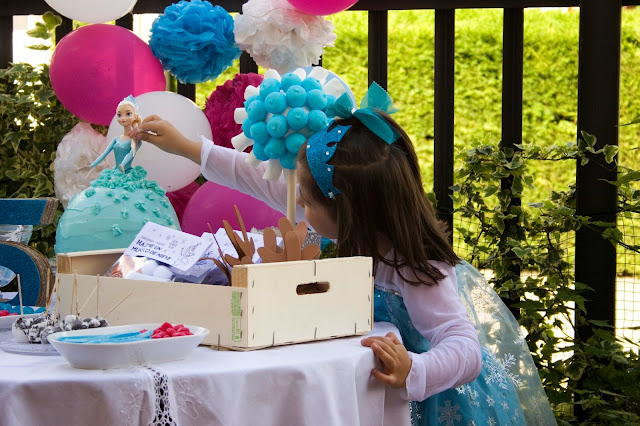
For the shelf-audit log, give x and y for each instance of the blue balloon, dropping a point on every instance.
(275, 103)
(259, 132)
(275, 148)
(258, 151)
(288, 161)
(297, 118)
(316, 99)
(332, 76)
(294, 141)
(256, 111)
(311, 83)
(317, 120)
(296, 96)
(288, 80)
(277, 126)
(246, 127)
(268, 86)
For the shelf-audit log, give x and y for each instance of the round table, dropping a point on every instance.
(319, 383)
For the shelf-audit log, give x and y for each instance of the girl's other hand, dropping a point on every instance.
(165, 136)
(394, 357)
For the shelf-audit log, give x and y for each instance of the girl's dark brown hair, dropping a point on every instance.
(381, 197)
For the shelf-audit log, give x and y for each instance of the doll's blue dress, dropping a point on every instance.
(508, 390)
(122, 152)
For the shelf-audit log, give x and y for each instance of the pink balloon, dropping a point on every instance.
(213, 203)
(322, 7)
(94, 67)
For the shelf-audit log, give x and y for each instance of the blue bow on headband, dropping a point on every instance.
(321, 146)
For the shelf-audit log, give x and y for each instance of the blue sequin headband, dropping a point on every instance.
(322, 145)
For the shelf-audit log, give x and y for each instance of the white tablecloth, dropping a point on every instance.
(321, 383)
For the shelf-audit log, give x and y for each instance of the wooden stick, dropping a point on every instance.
(75, 292)
(118, 304)
(20, 295)
(290, 176)
(54, 291)
(97, 295)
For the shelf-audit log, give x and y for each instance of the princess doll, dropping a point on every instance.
(124, 148)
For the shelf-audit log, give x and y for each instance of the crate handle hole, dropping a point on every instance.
(313, 288)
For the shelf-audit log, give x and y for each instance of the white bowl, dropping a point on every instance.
(102, 356)
(7, 322)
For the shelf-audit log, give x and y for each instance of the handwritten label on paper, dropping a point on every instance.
(167, 245)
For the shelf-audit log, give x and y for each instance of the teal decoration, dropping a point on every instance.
(275, 148)
(277, 126)
(297, 118)
(275, 103)
(316, 99)
(375, 98)
(268, 86)
(259, 132)
(289, 80)
(256, 111)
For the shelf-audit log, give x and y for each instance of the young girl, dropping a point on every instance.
(359, 183)
(124, 147)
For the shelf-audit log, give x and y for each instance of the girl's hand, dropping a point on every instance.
(394, 357)
(165, 136)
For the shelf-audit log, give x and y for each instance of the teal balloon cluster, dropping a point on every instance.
(283, 114)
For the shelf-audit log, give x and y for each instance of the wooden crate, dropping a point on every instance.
(266, 305)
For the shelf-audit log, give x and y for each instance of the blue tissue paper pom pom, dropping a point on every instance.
(268, 86)
(297, 118)
(258, 151)
(277, 126)
(317, 120)
(289, 161)
(259, 132)
(294, 141)
(296, 96)
(316, 99)
(246, 128)
(288, 80)
(194, 40)
(256, 111)
(311, 83)
(275, 148)
(275, 102)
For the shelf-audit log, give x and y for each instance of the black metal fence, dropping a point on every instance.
(598, 101)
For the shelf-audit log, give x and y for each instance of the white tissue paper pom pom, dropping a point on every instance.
(72, 170)
(279, 36)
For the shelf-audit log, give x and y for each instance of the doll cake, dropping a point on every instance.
(111, 212)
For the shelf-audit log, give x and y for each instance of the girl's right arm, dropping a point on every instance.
(165, 136)
(220, 165)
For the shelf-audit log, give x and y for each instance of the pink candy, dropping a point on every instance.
(168, 330)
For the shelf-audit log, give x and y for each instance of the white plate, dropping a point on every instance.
(8, 344)
(102, 356)
(7, 322)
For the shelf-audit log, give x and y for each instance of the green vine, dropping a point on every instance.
(502, 236)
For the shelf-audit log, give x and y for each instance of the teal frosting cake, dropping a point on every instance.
(111, 212)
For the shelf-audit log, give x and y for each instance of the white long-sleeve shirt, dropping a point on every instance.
(436, 311)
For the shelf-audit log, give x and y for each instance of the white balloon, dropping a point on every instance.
(92, 11)
(172, 172)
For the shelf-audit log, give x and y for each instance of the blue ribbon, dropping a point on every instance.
(321, 146)
(376, 97)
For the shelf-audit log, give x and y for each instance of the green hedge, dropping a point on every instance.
(550, 80)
